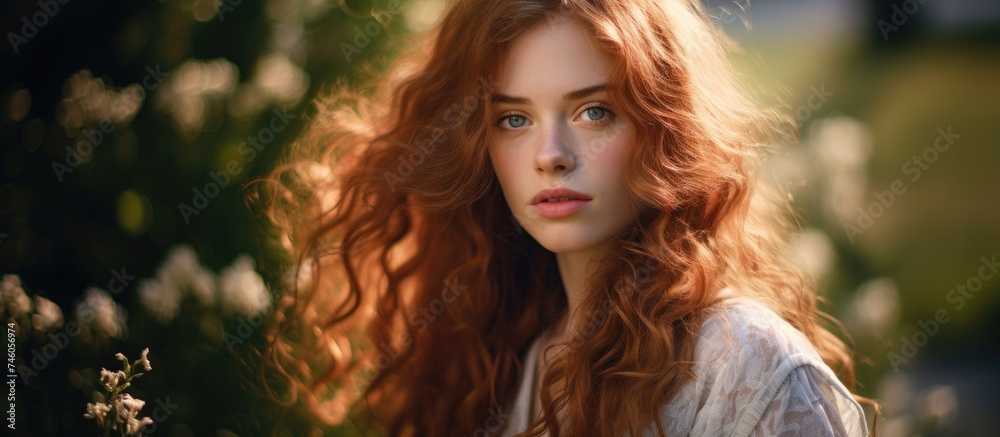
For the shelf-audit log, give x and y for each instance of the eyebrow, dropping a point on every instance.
(572, 95)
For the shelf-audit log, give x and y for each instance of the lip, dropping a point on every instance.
(569, 203)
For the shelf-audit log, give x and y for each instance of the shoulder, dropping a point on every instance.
(744, 350)
(749, 364)
(748, 330)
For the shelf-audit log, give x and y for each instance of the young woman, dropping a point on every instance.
(541, 223)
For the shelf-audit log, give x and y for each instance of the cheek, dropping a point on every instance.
(614, 161)
(496, 160)
(503, 167)
(511, 184)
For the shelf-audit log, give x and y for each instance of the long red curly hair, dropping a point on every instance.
(414, 292)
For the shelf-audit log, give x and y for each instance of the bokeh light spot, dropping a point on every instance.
(135, 213)
(20, 104)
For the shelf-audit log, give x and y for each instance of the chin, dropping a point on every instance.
(566, 242)
(563, 247)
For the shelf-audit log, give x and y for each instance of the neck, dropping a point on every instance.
(575, 269)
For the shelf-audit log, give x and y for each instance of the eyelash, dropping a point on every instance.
(609, 116)
(505, 116)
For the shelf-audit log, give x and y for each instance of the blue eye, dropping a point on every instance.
(595, 114)
(516, 121)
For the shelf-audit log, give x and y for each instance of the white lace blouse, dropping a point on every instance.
(756, 375)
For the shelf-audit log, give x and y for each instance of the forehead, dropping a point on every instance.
(554, 55)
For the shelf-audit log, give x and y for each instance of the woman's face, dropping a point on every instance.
(558, 147)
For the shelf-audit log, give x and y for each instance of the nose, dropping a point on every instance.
(555, 155)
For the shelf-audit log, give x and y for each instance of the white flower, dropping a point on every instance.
(135, 425)
(181, 274)
(48, 315)
(842, 148)
(242, 290)
(128, 411)
(131, 404)
(97, 411)
(304, 280)
(100, 313)
(812, 253)
(874, 309)
(195, 92)
(202, 286)
(144, 360)
(12, 296)
(126, 407)
(179, 266)
(161, 301)
(111, 379)
(280, 79)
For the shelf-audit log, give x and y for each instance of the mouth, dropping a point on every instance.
(559, 202)
(558, 195)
